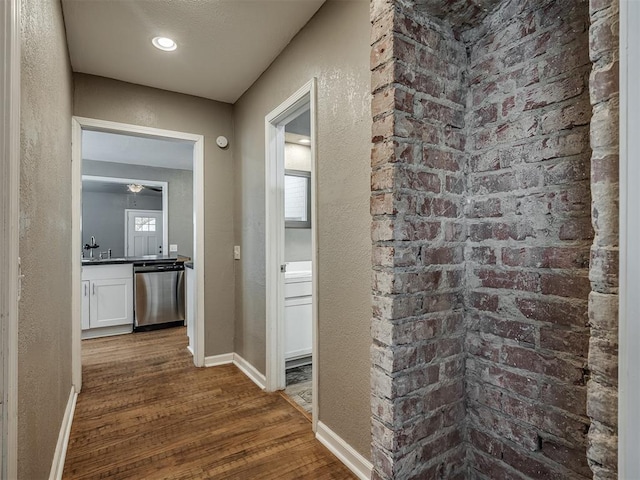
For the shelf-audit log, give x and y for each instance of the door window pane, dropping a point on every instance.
(145, 224)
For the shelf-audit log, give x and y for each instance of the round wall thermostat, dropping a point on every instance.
(222, 141)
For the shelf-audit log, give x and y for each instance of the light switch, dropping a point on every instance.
(236, 252)
(173, 247)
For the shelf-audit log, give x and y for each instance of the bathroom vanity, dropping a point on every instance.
(298, 311)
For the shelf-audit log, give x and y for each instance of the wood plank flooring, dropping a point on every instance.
(145, 412)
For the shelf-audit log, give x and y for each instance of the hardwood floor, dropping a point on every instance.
(145, 412)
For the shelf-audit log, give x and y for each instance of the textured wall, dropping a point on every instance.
(44, 329)
(105, 99)
(529, 233)
(180, 198)
(334, 48)
(602, 393)
(417, 231)
(481, 162)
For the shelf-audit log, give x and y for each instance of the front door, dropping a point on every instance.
(144, 233)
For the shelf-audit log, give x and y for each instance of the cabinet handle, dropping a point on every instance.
(94, 288)
(85, 289)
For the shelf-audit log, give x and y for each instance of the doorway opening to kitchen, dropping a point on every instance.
(291, 242)
(138, 219)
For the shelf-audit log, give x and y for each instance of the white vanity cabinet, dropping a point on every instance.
(107, 300)
(298, 311)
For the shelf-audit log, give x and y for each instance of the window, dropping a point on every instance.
(297, 199)
(145, 224)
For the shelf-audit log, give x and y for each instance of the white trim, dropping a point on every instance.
(250, 371)
(355, 462)
(57, 466)
(82, 123)
(216, 360)
(629, 327)
(9, 240)
(274, 239)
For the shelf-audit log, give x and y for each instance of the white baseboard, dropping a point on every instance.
(57, 466)
(250, 371)
(215, 360)
(355, 462)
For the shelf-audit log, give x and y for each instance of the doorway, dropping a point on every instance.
(291, 240)
(133, 133)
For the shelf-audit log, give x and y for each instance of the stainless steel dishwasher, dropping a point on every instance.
(159, 296)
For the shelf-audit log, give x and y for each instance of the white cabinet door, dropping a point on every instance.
(111, 302)
(297, 327)
(86, 293)
(190, 306)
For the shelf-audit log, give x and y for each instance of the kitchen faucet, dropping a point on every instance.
(92, 246)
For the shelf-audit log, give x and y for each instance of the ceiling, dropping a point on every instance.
(223, 45)
(150, 152)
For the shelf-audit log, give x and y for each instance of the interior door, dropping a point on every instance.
(144, 233)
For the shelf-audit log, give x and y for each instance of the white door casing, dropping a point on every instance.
(143, 233)
(80, 123)
(274, 238)
(629, 311)
(9, 243)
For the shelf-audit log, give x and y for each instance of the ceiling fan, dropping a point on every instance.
(137, 188)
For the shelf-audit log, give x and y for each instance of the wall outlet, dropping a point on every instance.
(173, 247)
(236, 252)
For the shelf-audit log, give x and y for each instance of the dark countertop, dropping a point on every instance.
(189, 265)
(147, 259)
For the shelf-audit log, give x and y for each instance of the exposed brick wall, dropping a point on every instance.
(418, 255)
(529, 225)
(482, 232)
(602, 389)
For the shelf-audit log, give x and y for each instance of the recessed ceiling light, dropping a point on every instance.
(306, 141)
(164, 43)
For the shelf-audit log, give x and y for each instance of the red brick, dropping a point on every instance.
(442, 160)
(483, 301)
(565, 341)
(571, 285)
(527, 359)
(482, 255)
(509, 279)
(546, 257)
(557, 312)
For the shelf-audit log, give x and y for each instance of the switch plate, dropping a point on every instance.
(236, 252)
(173, 247)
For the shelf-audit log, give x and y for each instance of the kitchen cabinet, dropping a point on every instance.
(190, 305)
(86, 284)
(107, 301)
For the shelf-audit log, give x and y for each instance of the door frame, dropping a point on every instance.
(165, 228)
(629, 311)
(82, 123)
(9, 237)
(274, 239)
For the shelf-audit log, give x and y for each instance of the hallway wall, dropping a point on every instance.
(106, 99)
(44, 328)
(333, 47)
